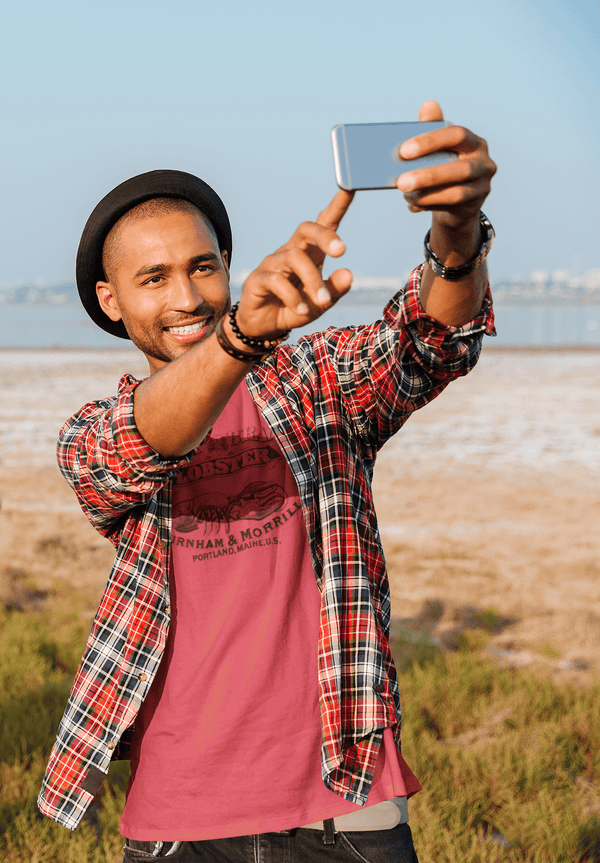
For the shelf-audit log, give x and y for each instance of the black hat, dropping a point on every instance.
(153, 184)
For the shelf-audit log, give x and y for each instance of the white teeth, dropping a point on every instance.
(186, 331)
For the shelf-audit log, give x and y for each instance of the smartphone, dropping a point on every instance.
(366, 154)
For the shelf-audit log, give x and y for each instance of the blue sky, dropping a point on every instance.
(245, 94)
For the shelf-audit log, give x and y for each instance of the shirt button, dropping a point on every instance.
(142, 676)
(162, 544)
(168, 609)
(110, 745)
(379, 687)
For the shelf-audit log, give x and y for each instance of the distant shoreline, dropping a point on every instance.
(379, 296)
(523, 326)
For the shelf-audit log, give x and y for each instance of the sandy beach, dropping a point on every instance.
(488, 501)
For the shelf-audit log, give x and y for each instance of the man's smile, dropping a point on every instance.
(192, 332)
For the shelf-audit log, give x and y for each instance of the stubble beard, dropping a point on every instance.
(152, 342)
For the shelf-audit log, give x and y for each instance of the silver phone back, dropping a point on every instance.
(366, 154)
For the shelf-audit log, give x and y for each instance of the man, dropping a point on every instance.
(240, 649)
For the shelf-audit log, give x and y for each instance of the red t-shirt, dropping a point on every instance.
(228, 739)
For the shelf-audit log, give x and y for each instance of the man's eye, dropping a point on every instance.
(154, 280)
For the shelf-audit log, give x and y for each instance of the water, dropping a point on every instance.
(27, 326)
(548, 325)
(518, 326)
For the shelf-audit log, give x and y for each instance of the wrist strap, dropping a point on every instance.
(242, 356)
(452, 274)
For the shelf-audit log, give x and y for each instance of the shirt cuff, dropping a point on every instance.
(405, 310)
(128, 443)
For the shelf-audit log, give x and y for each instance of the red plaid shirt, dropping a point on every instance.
(332, 400)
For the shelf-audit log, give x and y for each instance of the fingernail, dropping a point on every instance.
(409, 149)
(406, 182)
(336, 247)
(302, 309)
(323, 296)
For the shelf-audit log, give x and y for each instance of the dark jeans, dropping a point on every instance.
(377, 846)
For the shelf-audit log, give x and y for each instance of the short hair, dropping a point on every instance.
(111, 250)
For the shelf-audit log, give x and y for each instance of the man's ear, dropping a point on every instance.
(107, 298)
(225, 259)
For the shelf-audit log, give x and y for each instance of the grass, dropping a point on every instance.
(510, 762)
(548, 650)
(39, 654)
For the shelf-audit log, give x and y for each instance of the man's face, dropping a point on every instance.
(169, 284)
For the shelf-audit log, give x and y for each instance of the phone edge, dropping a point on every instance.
(338, 141)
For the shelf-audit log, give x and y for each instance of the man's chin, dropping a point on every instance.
(164, 348)
(158, 357)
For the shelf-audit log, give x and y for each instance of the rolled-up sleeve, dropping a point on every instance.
(389, 369)
(107, 462)
(446, 351)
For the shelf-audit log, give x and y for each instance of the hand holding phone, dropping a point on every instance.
(366, 155)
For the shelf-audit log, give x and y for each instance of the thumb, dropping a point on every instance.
(339, 283)
(430, 111)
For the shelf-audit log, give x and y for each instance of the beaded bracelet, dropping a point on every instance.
(267, 345)
(455, 273)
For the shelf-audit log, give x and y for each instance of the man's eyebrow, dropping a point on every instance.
(209, 257)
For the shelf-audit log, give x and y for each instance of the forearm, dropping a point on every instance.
(175, 407)
(392, 368)
(454, 303)
(454, 193)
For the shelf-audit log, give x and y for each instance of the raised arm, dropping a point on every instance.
(176, 406)
(453, 193)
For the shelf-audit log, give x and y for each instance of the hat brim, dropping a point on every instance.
(143, 187)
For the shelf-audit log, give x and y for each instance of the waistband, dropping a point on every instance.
(381, 816)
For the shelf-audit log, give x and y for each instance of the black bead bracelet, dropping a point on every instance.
(265, 345)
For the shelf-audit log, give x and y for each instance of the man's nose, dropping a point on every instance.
(185, 296)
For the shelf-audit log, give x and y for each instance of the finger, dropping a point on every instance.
(298, 266)
(331, 290)
(455, 138)
(311, 235)
(276, 298)
(287, 305)
(335, 211)
(303, 275)
(430, 111)
(322, 296)
(338, 284)
(449, 196)
(456, 171)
